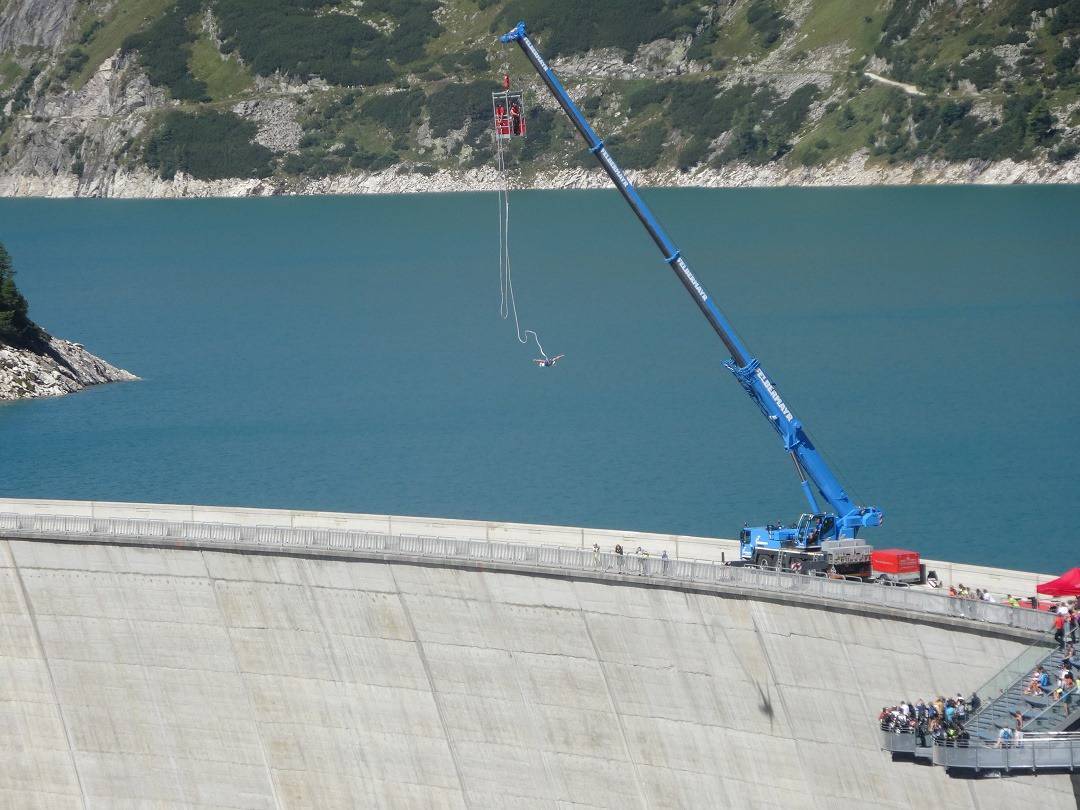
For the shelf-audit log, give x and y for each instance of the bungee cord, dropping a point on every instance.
(507, 300)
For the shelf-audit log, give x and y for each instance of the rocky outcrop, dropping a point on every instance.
(276, 117)
(52, 367)
(75, 141)
(660, 59)
(35, 23)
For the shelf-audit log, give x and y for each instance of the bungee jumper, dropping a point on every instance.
(509, 113)
(548, 362)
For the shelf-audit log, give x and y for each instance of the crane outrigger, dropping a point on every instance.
(821, 539)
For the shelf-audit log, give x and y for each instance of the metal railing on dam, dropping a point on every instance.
(543, 559)
(1033, 752)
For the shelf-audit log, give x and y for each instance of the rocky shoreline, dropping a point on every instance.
(52, 367)
(857, 170)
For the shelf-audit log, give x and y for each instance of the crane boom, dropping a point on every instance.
(808, 462)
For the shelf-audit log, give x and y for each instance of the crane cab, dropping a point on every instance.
(811, 544)
(508, 110)
(812, 530)
(808, 534)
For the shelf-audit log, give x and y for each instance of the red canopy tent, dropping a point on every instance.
(1068, 584)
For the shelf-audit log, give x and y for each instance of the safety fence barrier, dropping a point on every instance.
(901, 740)
(1030, 752)
(1041, 752)
(1012, 673)
(544, 557)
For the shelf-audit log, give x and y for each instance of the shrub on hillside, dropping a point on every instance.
(900, 21)
(540, 133)
(767, 21)
(1066, 18)
(300, 38)
(208, 145)
(572, 26)
(73, 62)
(396, 111)
(788, 116)
(20, 98)
(693, 152)
(981, 71)
(372, 161)
(416, 27)
(697, 109)
(1065, 152)
(640, 151)
(453, 104)
(702, 48)
(641, 97)
(762, 130)
(474, 61)
(164, 49)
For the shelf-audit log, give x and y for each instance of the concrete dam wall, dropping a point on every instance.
(156, 677)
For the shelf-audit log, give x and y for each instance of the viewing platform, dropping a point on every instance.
(1046, 752)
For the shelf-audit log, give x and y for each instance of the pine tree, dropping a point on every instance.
(15, 326)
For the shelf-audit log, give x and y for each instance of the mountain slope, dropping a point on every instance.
(281, 95)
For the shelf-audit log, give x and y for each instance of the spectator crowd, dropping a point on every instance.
(941, 720)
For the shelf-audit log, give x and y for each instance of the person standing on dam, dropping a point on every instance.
(1068, 689)
(643, 559)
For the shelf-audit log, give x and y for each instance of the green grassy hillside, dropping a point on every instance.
(407, 82)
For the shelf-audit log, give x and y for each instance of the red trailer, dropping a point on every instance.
(897, 564)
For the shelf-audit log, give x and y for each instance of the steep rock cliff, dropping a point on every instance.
(35, 23)
(74, 142)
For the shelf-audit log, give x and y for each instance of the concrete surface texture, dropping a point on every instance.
(136, 677)
(998, 580)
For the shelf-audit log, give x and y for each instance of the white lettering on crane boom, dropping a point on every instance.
(607, 160)
(536, 54)
(774, 395)
(704, 296)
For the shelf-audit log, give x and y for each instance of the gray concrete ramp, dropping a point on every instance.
(142, 677)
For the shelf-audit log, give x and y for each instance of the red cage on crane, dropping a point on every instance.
(508, 108)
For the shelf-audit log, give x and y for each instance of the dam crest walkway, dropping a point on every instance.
(545, 559)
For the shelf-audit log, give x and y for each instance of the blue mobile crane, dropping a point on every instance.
(821, 539)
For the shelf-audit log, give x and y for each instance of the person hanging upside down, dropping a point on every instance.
(548, 362)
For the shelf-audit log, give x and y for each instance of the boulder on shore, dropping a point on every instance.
(50, 367)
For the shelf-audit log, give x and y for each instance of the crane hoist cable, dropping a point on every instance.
(507, 300)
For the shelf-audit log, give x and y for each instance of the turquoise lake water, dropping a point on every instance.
(346, 354)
